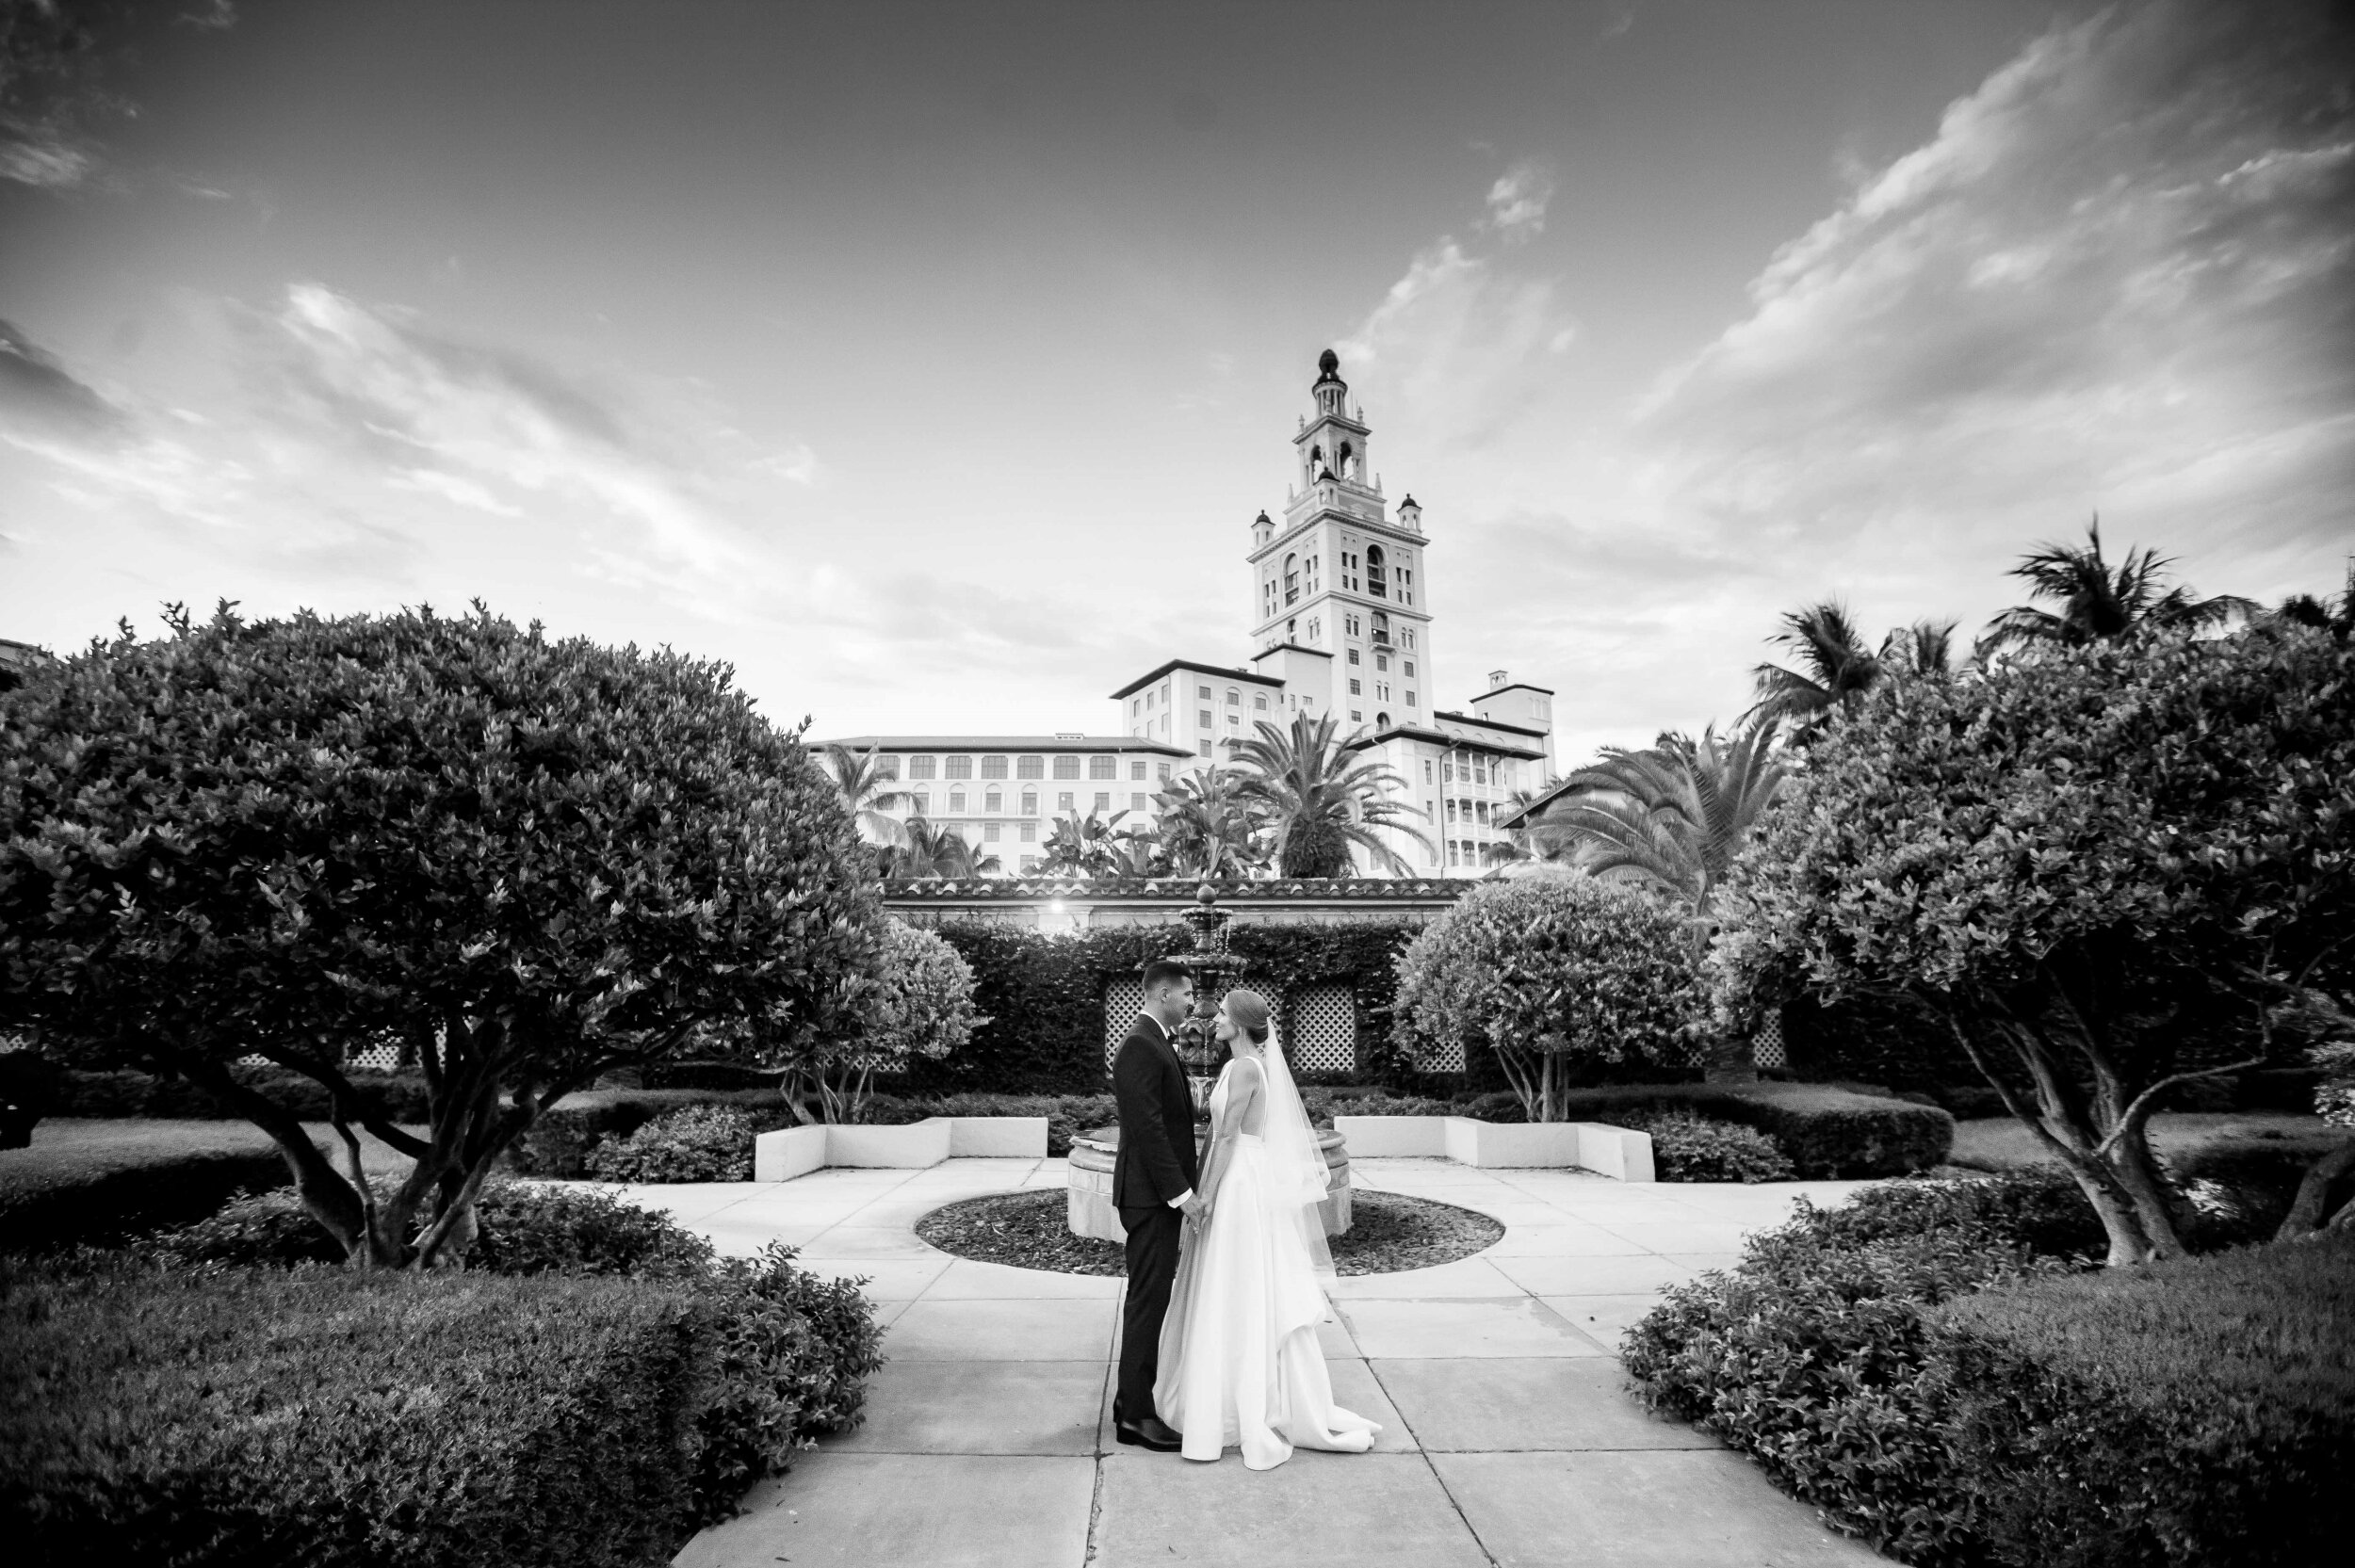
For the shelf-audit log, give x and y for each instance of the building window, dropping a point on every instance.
(1410, 669)
(1259, 701)
(1353, 656)
(992, 767)
(920, 803)
(1206, 748)
(1355, 717)
(956, 768)
(1447, 772)
(919, 767)
(1066, 767)
(989, 832)
(1451, 811)
(1164, 773)
(1029, 802)
(1234, 696)
(1148, 702)
(1410, 639)
(1030, 767)
(1410, 697)
(1103, 800)
(1382, 661)
(1426, 769)
(1374, 583)
(1029, 832)
(1103, 767)
(1480, 770)
(1030, 864)
(1234, 720)
(1291, 583)
(1136, 800)
(1480, 809)
(1203, 692)
(1062, 800)
(1206, 718)
(1315, 628)
(994, 801)
(1356, 688)
(886, 768)
(956, 802)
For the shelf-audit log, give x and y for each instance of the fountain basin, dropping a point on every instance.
(1091, 1182)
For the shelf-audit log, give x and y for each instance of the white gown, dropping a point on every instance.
(1239, 1362)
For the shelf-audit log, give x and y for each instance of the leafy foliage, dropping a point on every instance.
(534, 860)
(698, 1143)
(919, 1007)
(925, 850)
(867, 793)
(1539, 971)
(92, 1185)
(1209, 826)
(2103, 868)
(2099, 603)
(1690, 1148)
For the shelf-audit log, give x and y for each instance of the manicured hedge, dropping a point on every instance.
(2193, 1414)
(331, 1418)
(398, 1096)
(1826, 1132)
(98, 1181)
(558, 1144)
(1935, 1368)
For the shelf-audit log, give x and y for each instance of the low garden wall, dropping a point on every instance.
(1614, 1151)
(790, 1152)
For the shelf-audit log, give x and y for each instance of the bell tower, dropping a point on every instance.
(1340, 579)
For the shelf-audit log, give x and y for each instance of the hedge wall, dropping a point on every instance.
(100, 1182)
(1044, 996)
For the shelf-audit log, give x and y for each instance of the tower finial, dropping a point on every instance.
(1328, 367)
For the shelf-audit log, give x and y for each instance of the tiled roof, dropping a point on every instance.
(1002, 743)
(1175, 889)
(1225, 671)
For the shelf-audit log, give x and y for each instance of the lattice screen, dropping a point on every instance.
(1321, 1030)
(1767, 1048)
(1123, 998)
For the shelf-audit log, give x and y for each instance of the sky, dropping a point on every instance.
(928, 363)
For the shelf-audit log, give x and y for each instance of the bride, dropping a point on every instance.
(1240, 1363)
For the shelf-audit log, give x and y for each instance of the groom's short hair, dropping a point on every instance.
(1162, 971)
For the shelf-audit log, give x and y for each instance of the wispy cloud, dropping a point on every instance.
(37, 391)
(1517, 203)
(2117, 277)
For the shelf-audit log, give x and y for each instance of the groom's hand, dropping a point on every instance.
(1196, 1209)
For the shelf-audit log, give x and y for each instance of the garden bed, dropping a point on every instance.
(1387, 1233)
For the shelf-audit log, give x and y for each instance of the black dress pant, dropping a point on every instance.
(1153, 1235)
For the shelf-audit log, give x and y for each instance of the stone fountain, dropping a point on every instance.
(1214, 968)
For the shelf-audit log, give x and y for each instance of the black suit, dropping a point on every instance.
(1156, 1163)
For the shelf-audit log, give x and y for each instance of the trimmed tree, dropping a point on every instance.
(920, 1008)
(535, 860)
(1548, 972)
(2108, 870)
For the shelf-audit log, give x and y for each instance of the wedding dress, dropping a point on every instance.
(1239, 1362)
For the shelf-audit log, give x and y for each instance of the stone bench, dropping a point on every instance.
(1614, 1151)
(780, 1157)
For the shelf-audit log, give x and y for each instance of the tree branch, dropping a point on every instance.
(2134, 1109)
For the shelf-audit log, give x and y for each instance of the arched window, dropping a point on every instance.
(1292, 579)
(1380, 626)
(1375, 582)
(1381, 720)
(1348, 455)
(1316, 460)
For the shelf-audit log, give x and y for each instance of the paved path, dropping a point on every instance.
(1509, 1438)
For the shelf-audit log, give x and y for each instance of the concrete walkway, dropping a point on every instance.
(1509, 1436)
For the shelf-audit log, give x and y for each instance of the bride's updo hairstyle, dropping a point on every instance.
(1247, 1009)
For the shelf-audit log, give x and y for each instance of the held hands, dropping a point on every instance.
(1196, 1210)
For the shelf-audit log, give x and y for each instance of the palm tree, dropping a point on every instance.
(2100, 603)
(1209, 826)
(1924, 648)
(869, 791)
(1835, 668)
(930, 852)
(1320, 802)
(1672, 816)
(1084, 845)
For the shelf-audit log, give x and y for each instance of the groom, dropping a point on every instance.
(1154, 1175)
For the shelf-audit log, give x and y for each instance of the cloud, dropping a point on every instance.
(1517, 203)
(2117, 276)
(46, 159)
(37, 391)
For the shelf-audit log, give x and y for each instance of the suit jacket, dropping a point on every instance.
(1156, 1162)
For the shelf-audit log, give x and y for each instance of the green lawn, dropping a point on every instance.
(2001, 1144)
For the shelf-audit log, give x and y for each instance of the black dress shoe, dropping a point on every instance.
(1151, 1432)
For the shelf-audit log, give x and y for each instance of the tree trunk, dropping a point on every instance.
(2308, 1215)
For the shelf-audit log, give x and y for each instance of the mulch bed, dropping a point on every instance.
(1032, 1230)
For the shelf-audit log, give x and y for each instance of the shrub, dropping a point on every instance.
(397, 1097)
(1546, 972)
(1920, 1365)
(696, 1143)
(97, 1182)
(558, 1142)
(531, 859)
(329, 1418)
(2196, 1414)
(916, 1007)
(1826, 1133)
(527, 1228)
(1690, 1148)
